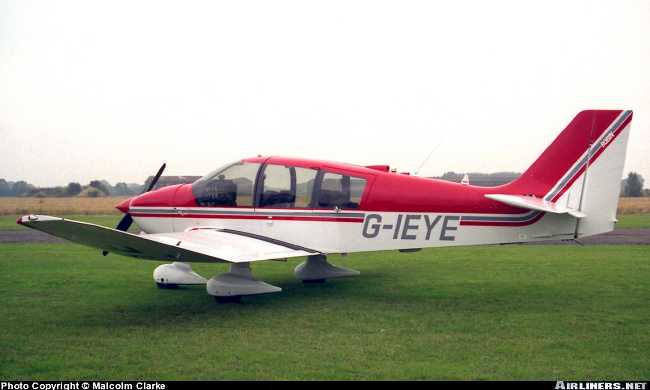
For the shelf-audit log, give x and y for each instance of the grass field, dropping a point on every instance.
(633, 221)
(58, 206)
(634, 206)
(499, 312)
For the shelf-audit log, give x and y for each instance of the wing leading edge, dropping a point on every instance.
(196, 245)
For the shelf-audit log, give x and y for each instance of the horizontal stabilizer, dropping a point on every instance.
(195, 245)
(533, 203)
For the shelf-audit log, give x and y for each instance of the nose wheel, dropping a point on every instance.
(166, 286)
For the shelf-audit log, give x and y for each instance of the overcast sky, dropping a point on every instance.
(111, 89)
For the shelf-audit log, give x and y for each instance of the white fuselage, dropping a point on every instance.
(365, 231)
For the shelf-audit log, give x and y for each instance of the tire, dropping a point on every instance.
(167, 286)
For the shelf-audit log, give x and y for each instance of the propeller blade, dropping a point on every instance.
(127, 220)
(125, 223)
(155, 178)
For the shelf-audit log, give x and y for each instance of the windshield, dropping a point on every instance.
(228, 186)
(217, 171)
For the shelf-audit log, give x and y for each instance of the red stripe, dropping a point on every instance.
(568, 184)
(502, 224)
(254, 217)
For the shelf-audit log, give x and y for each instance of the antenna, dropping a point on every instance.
(415, 173)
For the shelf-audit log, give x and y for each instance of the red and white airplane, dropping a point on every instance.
(271, 208)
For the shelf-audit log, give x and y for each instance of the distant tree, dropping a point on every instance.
(452, 176)
(21, 188)
(58, 191)
(122, 189)
(94, 193)
(47, 192)
(73, 189)
(633, 185)
(108, 186)
(100, 186)
(135, 188)
(5, 190)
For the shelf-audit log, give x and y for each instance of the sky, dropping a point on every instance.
(111, 89)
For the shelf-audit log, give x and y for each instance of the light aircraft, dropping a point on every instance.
(274, 208)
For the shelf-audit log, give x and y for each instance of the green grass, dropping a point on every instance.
(633, 221)
(500, 312)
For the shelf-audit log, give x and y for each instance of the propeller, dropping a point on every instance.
(127, 220)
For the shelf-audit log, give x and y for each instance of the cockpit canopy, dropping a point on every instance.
(252, 184)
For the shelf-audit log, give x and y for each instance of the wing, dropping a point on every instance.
(196, 245)
(532, 203)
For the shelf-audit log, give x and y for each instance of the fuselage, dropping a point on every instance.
(339, 208)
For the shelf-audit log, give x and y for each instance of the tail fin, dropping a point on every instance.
(582, 169)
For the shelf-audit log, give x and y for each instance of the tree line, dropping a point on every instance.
(96, 188)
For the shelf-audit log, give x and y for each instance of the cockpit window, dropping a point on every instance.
(231, 186)
(286, 187)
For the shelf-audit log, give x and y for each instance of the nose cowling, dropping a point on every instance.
(163, 197)
(124, 205)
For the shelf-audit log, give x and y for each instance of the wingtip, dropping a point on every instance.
(19, 221)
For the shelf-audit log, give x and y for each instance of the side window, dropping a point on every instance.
(305, 179)
(276, 187)
(231, 186)
(286, 187)
(340, 191)
(357, 186)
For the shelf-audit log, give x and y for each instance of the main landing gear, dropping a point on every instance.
(317, 269)
(169, 276)
(231, 286)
